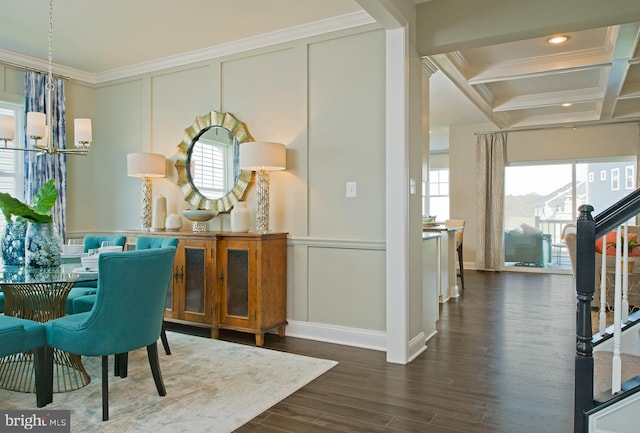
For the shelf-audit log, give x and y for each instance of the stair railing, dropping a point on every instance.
(587, 231)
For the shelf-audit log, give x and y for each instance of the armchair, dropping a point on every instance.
(127, 315)
(21, 335)
(527, 249)
(82, 304)
(89, 287)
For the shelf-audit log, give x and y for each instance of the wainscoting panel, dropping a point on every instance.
(347, 287)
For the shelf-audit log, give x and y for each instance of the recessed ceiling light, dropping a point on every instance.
(567, 104)
(558, 39)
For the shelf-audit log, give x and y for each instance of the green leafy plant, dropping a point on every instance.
(43, 201)
(632, 242)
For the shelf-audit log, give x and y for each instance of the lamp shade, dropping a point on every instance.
(7, 127)
(256, 155)
(146, 165)
(36, 124)
(82, 132)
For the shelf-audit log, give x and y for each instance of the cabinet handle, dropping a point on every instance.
(175, 274)
(222, 276)
(181, 273)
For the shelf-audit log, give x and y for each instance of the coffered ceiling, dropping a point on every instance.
(594, 77)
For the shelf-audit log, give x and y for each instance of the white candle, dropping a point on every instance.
(82, 132)
(36, 125)
(7, 127)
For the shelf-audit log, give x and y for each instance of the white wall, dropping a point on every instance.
(326, 105)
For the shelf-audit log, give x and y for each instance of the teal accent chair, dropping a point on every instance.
(127, 315)
(85, 303)
(89, 287)
(144, 243)
(1, 301)
(21, 335)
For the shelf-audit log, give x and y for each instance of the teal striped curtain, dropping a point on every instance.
(39, 168)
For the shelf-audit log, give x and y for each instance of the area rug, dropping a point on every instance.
(602, 369)
(212, 386)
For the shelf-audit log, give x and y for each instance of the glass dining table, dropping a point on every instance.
(40, 294)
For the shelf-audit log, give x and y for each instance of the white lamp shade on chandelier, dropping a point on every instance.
(262, 157)
(146, 166)
(7, 128)
(82, 133)
(36, 125)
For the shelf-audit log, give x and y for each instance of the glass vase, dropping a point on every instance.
(42, 245)
(13, 243)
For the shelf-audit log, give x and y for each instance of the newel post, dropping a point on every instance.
(585, 285)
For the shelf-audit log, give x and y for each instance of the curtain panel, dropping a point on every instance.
(490, 162)
(39, 168)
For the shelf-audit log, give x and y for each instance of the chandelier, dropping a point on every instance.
(40, 125)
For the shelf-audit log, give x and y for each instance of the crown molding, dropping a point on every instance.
(26, 62)
(342, 22)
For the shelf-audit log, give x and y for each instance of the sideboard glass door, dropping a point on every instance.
(238, 283)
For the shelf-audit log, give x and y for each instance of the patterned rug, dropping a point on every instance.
(602, 369)
(212, 386)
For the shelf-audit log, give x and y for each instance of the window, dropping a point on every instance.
(209, 162)
(629, 177)
(615, 179)
(550, 202)
(10, 161)
(439, 193)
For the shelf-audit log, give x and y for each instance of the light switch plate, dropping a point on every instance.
(351, 190)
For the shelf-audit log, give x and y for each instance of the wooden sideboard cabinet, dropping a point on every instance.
(252, 282)
(227, 280)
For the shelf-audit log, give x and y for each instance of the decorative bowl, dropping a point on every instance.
(72, 249)
(90, 262)
(199, 214)
(110, 249)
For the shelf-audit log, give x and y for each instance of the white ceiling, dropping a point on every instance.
(514, 85)
(94, 37)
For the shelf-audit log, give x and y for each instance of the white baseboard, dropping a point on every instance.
(417, 346)
(367, 339)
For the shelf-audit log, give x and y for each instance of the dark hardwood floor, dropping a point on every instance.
(502, 362)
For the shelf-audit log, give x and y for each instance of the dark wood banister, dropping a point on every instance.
(588, 230)
(620, 212)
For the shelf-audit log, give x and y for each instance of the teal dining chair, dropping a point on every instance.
(19, 335)
(127, 314)
(143, 243)
(84, 303)
(89, 287)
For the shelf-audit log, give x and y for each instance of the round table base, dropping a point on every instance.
(17, 372)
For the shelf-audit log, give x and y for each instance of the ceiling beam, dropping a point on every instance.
(625, 48)
(450, 66)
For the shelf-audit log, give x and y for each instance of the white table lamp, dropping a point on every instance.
(262, 157)
(146, 166)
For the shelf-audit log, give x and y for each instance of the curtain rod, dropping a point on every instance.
(32, 69)
(544, 128)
